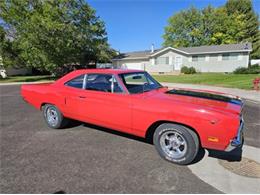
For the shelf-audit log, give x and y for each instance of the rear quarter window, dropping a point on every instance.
(77, 82)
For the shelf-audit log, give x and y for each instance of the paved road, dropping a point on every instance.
(88, 159)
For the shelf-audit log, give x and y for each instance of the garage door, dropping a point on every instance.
(135, 66)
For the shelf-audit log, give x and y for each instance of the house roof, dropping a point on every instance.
(136, 54)
(218, 48)
(241, 47)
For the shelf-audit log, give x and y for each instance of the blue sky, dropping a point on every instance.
(134, 25)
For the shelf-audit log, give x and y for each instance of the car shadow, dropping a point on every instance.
(118, 133)
(233, 156)
(199, 157)
(74, 123)
(60, 192)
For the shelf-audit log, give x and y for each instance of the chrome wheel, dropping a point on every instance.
(173, 144)
(52, 116)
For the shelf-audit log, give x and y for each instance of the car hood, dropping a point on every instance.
(209, 99)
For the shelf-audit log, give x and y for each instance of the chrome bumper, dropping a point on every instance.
(238, 140)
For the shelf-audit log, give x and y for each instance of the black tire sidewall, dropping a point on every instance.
(60, 116)
(192, 144)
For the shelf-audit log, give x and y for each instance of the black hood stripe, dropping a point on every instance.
(205, 95)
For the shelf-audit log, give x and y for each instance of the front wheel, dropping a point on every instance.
(176, 143)
(54, 117)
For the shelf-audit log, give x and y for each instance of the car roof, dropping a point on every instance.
(75, 73)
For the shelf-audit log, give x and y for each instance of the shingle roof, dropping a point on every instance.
(189, 50)
(136, 54)
(217, 48)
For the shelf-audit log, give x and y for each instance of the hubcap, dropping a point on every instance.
(173, 144)
(52, 116)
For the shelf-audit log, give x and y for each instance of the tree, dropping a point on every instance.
(184, 29)
(203, 27)
(251, 20)
(226, 29)
(235, 22)
(48, 34)
(8, 51)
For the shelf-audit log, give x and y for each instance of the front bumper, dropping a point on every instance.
(238, 140)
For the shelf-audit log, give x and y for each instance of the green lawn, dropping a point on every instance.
(27, 78)
(241, 81)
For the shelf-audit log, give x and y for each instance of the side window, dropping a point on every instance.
(136, 79)
(102, 82)
(76, 82)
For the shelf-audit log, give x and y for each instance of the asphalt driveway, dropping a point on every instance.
(89, 159)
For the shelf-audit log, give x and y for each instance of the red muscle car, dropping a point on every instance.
(180, 121)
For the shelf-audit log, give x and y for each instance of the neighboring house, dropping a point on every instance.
(215, 58)
(255, 61)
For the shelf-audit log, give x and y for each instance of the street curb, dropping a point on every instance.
(22, 83)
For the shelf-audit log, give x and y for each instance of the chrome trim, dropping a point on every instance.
(238, 140)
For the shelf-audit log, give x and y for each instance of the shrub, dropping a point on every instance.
(184, 69)
(188, 70)
(254, 69)
(240, 70)
(192, 70)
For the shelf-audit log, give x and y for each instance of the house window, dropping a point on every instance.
(225, 56)
(198, 58)
(162, 60)
(231, 56)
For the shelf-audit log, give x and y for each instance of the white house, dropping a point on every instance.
(214, 58)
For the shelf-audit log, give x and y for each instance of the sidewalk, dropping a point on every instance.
(246, 94)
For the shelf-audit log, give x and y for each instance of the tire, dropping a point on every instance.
(53, 117)
(176, 143)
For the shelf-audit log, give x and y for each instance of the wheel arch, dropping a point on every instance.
(44, 103)
(151, 129)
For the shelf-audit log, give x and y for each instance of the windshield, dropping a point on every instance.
(139, 82)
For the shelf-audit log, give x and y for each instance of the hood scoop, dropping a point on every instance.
(205, 95)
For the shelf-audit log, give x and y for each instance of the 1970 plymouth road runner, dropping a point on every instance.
(180, 121)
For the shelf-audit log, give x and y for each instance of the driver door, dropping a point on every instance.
(103, 102)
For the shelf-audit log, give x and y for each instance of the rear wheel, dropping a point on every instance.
(54, 117)
(176, 143)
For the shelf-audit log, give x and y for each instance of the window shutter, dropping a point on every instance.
(219, 57)
(207, 58)
(190, 59)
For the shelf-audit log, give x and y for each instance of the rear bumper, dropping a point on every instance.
(238, 140)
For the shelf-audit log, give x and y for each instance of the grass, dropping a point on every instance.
(12, 79)
(241, 81)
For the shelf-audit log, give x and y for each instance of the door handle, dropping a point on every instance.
(82, 97)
